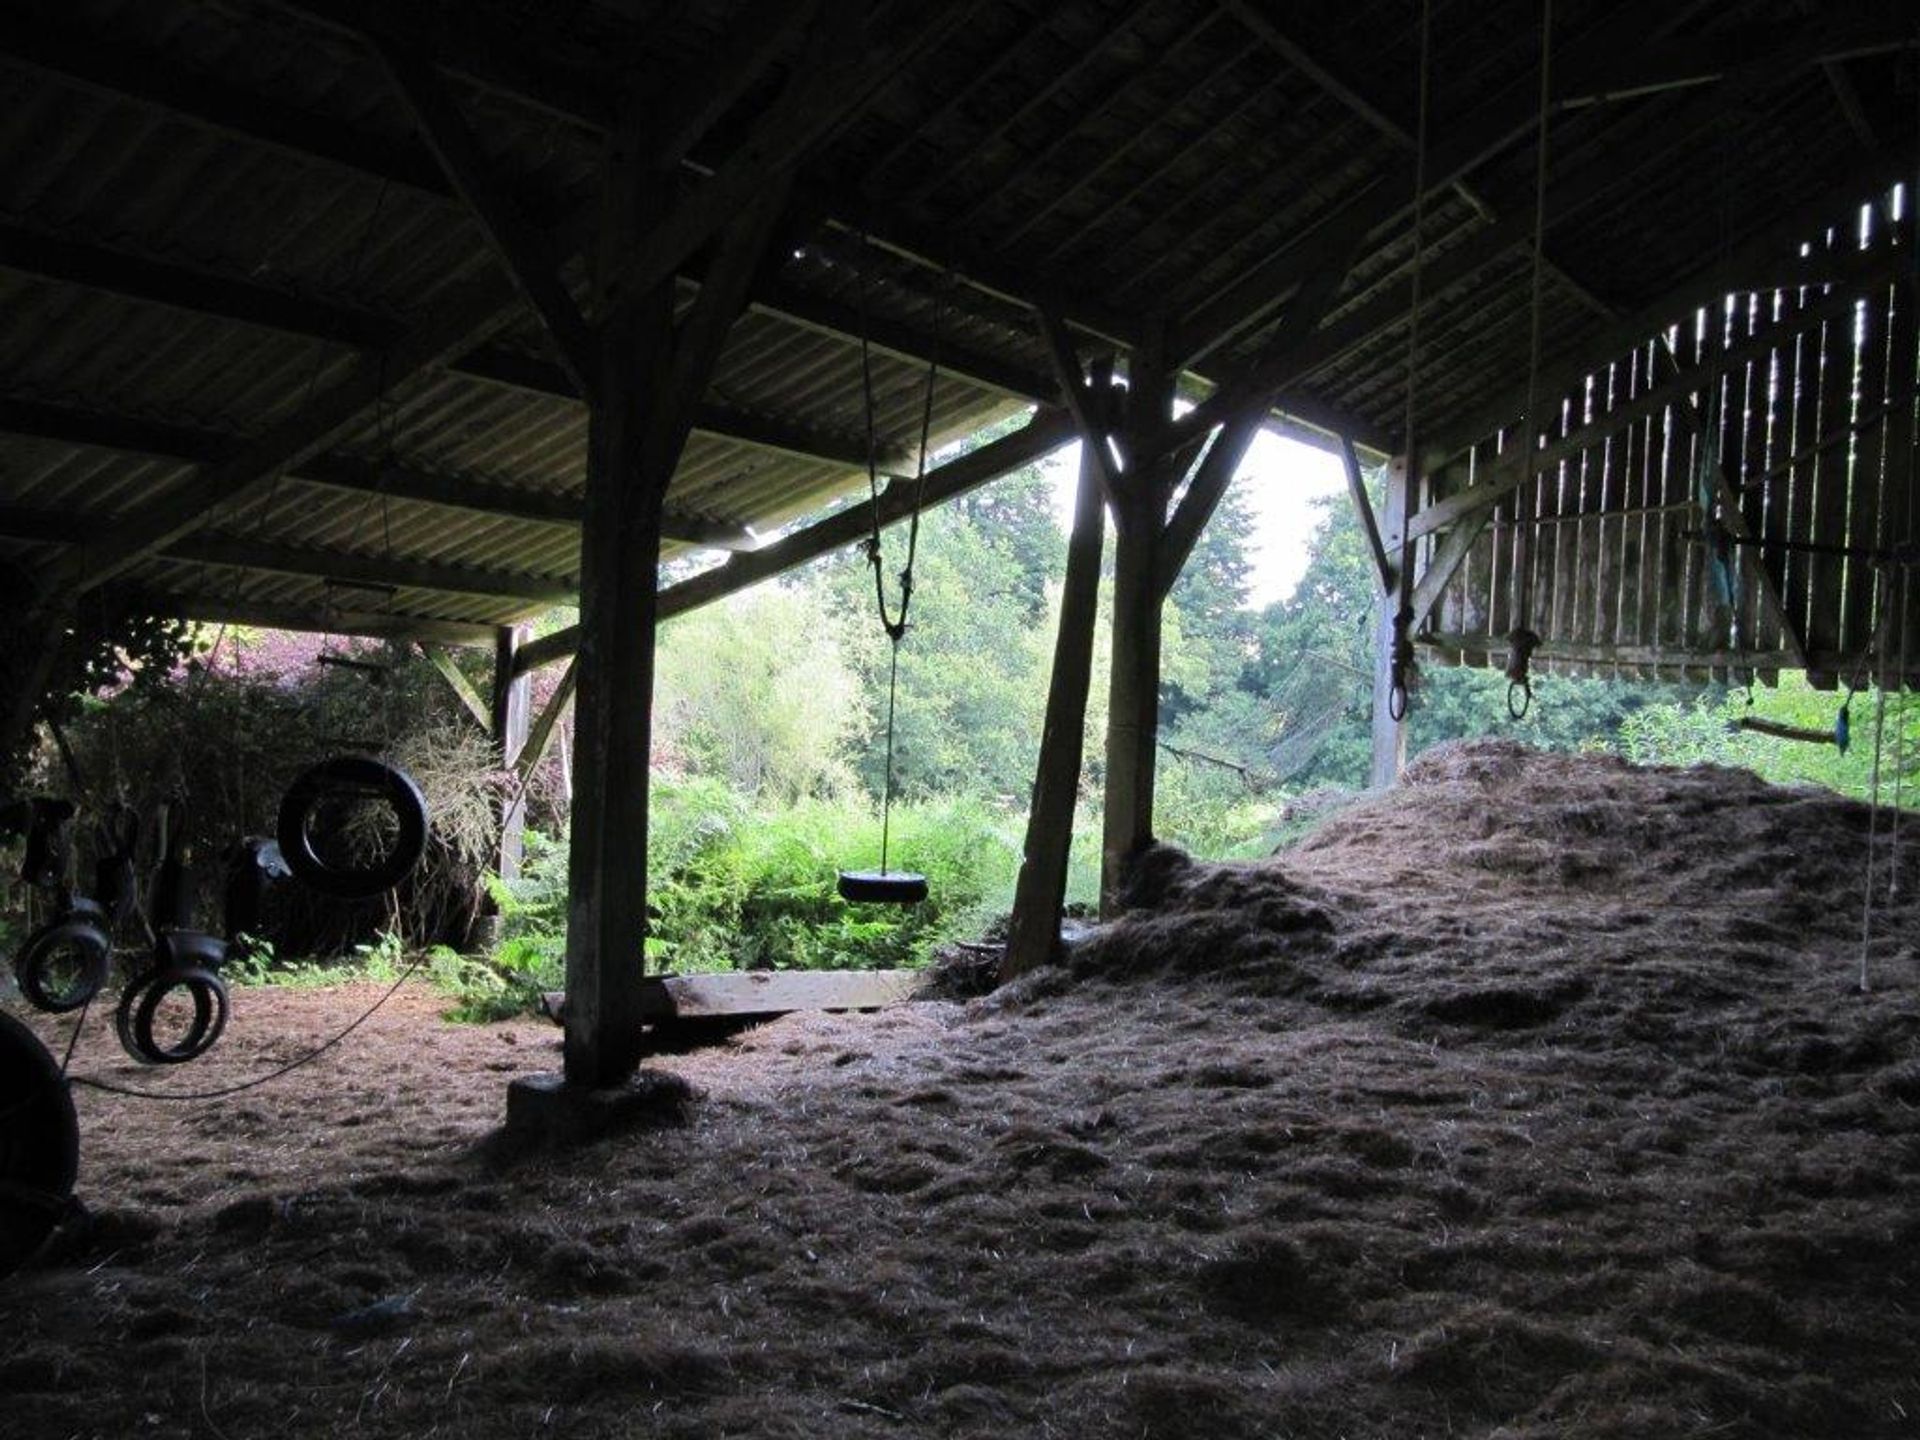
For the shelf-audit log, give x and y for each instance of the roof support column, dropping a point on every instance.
(1133, 684)
(511, 721)
(1041, 892)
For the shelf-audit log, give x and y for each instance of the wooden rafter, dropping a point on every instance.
(1766, 258)
(464, 690)
(98, 64)
(339, 471)
(522, 249)
(1044, 433)
(467, 312)
(1509, 115)
(1363, 511)
(1087, 407)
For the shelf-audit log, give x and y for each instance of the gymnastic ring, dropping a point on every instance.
(140, 1006)
(1525, 689)
(352, 773)
(1397, 701)
(80, 933)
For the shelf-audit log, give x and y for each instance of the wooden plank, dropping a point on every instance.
(464, 690)
(1694, 374)
(511, 704)
(1860, 608)
(1363, 510)
(741, 993)
(777, 992)
(1087, 410)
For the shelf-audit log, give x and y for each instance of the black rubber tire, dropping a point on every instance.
(81, 931)
(188, 949)
(140, 1004)
(39, 1144)
(878, 887)
(352, 772)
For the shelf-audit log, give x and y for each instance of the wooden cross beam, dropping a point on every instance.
(337, 471)
(464, 690)
(1510, 114)
(521, 248)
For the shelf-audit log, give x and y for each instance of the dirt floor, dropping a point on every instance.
(1536, 1099)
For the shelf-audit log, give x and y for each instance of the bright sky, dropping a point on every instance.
(1279, 477)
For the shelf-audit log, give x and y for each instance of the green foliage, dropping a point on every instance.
(757, 692)
(735, 887)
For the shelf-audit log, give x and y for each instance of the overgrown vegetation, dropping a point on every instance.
(769, 758)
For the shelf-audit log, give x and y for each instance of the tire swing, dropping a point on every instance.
(887, 886)
(339, 782)
(39, 1144)
(65, 963)
(185, 964)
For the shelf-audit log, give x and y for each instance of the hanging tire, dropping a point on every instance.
(348, 777)
(64, 963)
(39, 1144)
(138, 1013)
(882, 887)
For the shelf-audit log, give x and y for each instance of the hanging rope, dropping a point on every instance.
(1400, 661)
(1521, 639)
(895, 625)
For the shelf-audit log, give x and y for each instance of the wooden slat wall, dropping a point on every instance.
(1815, 435)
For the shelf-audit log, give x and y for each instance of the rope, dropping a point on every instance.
(1521, 639)
(222, 1092)
(1400, 664)
(894, 626)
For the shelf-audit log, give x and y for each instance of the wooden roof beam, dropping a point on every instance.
(1047, 431)
(65, 425)
(1769, 253)
(523, 250)
(325, 620)
(1509, 115)
(196, 292)
(150, 79)
(399, 572)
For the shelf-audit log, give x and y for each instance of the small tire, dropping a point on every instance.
(139, 1008)
(352, 773)
(39, 1144)
(80, 933)
(882, 887)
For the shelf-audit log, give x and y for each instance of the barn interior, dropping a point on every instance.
(415, 320)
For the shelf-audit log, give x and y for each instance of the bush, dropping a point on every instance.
(737, 888)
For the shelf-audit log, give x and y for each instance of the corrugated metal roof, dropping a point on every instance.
(1127, 160)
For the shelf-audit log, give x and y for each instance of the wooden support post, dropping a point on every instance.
(1133, 692)
(511, 720)
(613, 666)
(650, 377)
(1389, 729)
(1041, 891)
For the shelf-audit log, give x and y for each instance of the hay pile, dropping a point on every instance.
(1533, 1100)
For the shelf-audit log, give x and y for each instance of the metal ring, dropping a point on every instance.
(362, 775)
(1397, 701)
